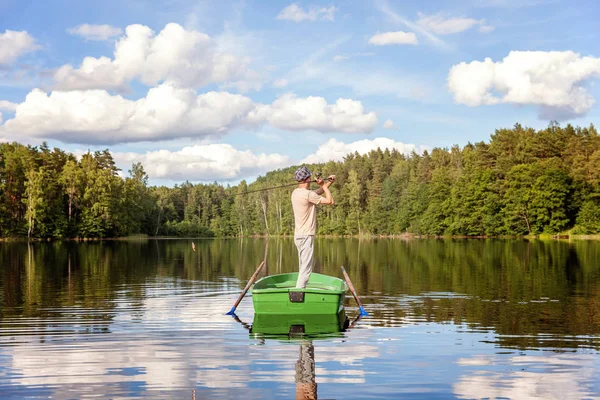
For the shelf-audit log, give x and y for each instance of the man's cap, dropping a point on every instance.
(302, 173)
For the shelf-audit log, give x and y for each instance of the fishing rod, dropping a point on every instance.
(318, 175)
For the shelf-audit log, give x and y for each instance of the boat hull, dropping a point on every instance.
(277, 294)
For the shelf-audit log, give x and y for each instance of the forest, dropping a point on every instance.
(522, 182)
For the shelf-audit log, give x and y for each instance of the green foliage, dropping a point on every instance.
(522, 182)
(588, 218)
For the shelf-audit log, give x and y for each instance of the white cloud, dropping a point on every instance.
(168, 112)
(185, 57)
(204, 163)
(399, 37)
(293, 12)
(94, 116)
(292, 113)
(95, 32)
(555, 81)
(389, 124)
(14, 44)
(7, 105)
(336, 150)
(442, 25)
(279, 83)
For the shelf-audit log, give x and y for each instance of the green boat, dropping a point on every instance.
(277, 294)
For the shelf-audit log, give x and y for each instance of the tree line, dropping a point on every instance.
(522, 182)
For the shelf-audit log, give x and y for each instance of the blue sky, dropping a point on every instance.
(227, 90)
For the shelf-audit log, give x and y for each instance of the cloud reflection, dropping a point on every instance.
(527, 377)
(179, 342)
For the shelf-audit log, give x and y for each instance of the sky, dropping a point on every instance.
(222, 91)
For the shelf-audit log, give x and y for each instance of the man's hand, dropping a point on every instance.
(328, 182)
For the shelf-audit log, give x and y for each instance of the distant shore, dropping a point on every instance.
(404, 236)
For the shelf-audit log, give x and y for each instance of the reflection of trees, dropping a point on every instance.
(515, 287)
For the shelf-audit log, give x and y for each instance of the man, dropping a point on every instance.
(304, 203)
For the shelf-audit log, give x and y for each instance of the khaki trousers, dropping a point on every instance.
(306, 248)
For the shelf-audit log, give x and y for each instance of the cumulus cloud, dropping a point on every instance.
(555, 81)
(169, 112)
(7, 105)
(399, 37)
(204, 163)
(442, 25)
(95, 32)
(295, 13)
(335, 150)
(293, 113)
(95, 116)
(185, 57)
(389, 124)
(14, 44)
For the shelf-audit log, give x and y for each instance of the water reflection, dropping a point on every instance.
(448, 318)
(302, 329)
(552, 376)
(306, 386)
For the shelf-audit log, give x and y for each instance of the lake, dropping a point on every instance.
(448, 319)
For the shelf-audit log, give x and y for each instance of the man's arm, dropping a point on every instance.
(328, 199)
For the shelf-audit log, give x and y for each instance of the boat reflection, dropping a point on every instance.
(285, 327)
(303, 329)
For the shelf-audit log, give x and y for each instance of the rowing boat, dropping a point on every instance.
(277, 294)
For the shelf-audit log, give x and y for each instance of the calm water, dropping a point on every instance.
(448, 319)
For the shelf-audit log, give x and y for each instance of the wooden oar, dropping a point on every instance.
(250, 282)
(351, 286)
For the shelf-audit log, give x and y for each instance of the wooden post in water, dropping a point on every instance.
(351, 286)
(250, 282)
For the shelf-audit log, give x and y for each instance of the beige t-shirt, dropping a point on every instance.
(304, 203)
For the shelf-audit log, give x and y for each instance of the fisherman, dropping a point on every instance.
(304, 203)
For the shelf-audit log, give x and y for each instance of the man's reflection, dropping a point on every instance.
(306, 387)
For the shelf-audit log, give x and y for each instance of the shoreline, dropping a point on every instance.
(404, 236)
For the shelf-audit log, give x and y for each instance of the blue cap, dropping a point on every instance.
(302, 173)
